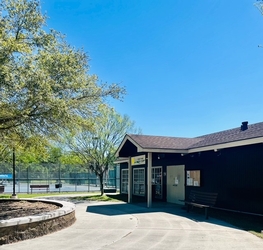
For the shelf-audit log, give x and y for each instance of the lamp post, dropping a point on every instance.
(14, 174)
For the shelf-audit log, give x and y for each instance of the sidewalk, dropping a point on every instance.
(115, 226)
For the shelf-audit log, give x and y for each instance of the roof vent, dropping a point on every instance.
(244, 126)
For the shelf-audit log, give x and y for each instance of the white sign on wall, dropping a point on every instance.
(138, 160)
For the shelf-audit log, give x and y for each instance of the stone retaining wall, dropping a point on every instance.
(23, 228)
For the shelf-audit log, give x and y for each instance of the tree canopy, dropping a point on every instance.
(44, 82)
(97, 147)
(34, 150)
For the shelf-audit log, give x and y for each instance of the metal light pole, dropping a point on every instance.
(14, 174)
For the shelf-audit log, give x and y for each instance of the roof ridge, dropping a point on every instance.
(226, 136)
(163, 136)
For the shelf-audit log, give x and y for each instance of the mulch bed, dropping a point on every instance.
(15, 209)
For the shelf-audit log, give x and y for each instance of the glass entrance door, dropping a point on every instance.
(157, 184)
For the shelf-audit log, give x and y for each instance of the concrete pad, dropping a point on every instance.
(114, 226)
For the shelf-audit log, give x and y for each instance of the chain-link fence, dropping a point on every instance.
(59, 178)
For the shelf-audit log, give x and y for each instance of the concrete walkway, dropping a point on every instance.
(115, 226)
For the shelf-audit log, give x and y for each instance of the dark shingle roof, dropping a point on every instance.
(177, 143)
(164, 142)
(231, 135)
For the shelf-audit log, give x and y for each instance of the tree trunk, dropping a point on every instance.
(101, 184)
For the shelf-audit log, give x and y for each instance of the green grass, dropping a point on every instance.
(91, 196)
(97, 197)
(36, 195)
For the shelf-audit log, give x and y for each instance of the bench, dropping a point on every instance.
(109, 190)
(201, 199)
(39, 187)
(2, 189)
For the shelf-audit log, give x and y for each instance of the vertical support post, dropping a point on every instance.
(129, 181)
(149, 181)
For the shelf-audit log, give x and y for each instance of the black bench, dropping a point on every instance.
(39, 187)
(201, 199)
(109, 190)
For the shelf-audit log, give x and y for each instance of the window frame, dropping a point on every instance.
(138, 185)
(157, 181)
(124, 181)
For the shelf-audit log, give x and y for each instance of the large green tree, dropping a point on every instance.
(97, 147)
(35, 149)
(44, 82)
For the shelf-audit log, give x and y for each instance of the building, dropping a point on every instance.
(229, 163)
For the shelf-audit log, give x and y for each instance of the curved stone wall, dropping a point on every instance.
(28, 227)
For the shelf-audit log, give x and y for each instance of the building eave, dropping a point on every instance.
(216, 147)
(188, 150)
(162, 150)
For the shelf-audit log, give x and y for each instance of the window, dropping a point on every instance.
(139, 181)
(124, 180)
(157, 182)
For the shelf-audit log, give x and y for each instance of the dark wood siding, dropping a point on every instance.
(236, 174)
(128, 149)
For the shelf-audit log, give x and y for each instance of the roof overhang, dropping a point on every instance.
(228, 145)
(148, 150)
(162, 150)
(214, 147)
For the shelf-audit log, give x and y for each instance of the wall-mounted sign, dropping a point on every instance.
(193, 178)
(138, 160)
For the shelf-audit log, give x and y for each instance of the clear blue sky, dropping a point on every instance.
(190, 67)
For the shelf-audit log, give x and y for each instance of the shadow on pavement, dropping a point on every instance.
(135, 208)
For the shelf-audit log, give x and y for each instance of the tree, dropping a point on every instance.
(97, 147)
(34, 149)
(44, 82)
(259, 5)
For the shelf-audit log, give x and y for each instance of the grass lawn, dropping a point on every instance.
(36, 195)
(98, 197)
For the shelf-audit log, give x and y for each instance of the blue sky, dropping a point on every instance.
(189, 67)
